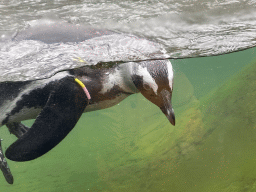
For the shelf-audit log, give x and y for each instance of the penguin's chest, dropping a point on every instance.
(107, 91)
(106, 102)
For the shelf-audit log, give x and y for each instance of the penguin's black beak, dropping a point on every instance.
(163, 101)
(166, 106)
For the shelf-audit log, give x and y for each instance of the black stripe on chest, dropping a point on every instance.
(36, 98)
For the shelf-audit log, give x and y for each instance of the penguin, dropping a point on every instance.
(57, 103)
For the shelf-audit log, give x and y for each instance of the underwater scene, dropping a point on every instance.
(133, 147)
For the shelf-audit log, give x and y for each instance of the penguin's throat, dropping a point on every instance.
(116, 80)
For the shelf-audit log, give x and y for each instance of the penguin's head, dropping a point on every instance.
(154, 79)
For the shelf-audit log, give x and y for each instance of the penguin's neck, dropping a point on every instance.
(120, 78)
(107, 87)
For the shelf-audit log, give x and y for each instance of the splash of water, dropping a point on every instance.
(175, 28)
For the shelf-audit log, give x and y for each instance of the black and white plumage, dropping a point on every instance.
(58, 102)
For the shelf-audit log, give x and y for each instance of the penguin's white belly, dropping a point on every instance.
(25, 114)
(105, 103)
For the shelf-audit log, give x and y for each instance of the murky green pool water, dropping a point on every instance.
(133, 147)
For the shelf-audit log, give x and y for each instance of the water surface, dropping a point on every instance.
(185, 28)
(177, 29)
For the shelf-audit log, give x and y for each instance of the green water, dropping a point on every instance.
(132, 147)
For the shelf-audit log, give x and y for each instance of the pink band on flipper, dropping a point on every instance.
(84, 88)
(87, 93)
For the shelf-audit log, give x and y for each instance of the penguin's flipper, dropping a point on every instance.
(58, 117)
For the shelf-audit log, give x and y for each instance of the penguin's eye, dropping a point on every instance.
(146, 86)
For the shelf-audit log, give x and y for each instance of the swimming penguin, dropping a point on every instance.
(57, 103)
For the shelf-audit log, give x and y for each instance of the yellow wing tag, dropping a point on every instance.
(80, 82)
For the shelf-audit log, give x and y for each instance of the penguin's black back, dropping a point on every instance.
(10, 90)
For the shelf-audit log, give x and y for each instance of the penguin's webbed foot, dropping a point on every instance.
(17, 129)
(4, 167)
